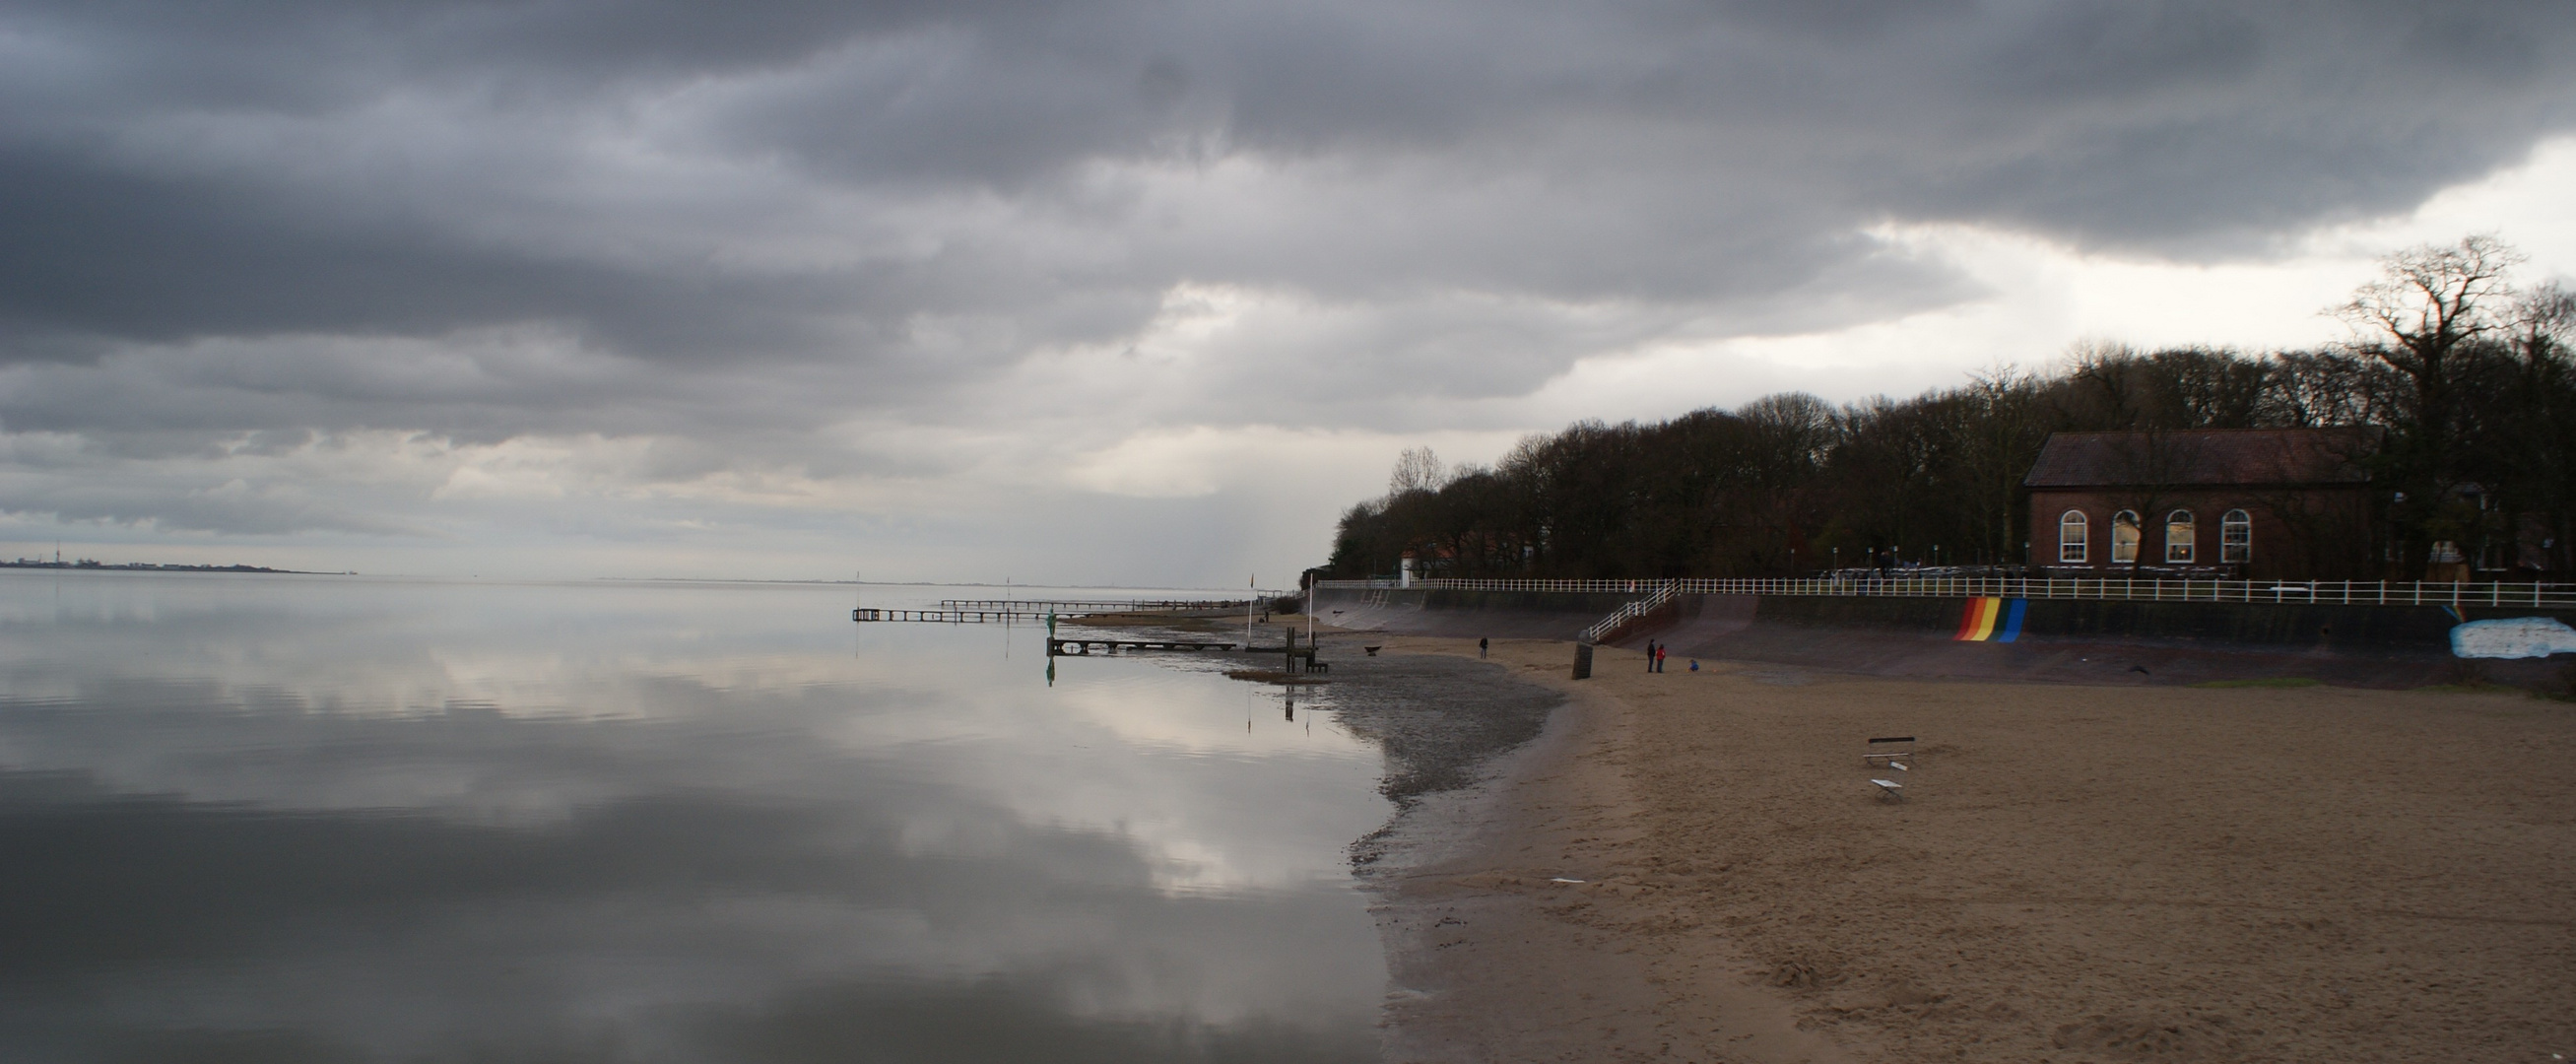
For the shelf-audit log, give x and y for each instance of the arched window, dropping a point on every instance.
(2124, 538)
(2236, 537)
(2178, 538)
(2070, 536)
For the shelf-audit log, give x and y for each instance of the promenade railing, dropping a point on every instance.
(2317, 592)
(1631, 614)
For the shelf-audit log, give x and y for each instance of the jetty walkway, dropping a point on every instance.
(998, 611)
(949, 616)
(1077, 646)
(1076, 607)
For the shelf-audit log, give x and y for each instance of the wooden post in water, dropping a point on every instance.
(1309, 617)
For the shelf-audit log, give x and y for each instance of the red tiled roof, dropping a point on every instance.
(2203, 456)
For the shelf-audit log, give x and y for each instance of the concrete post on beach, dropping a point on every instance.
(1583, 661)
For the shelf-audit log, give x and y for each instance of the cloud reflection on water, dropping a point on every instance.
(671, 826)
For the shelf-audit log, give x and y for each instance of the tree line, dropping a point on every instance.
(2469, 377)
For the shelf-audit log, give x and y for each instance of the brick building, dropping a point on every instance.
(2258, 504)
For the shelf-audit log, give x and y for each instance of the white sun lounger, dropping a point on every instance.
(1889, 788)
(1888, 748)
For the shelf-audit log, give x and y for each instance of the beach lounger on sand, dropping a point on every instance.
(1888, 748)
(1889, 788)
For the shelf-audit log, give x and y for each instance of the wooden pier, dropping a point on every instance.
(1070, 607)
(997, 611)
(1079, 646)
(945, 616)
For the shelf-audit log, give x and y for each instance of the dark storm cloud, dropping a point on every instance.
(2103, 122)
(746, 221)
(159, 258)
(2158, 125)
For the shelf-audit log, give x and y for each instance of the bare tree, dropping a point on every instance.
(1418, 469)
(2543, 322)
(2424, 318)
(1999, 434)
(2429, 302)
(2101, 386)
(1796, 431)
(2311, 389)
(2539, 445)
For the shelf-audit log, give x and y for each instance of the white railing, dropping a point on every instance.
(1609, 627)
(2318, 592)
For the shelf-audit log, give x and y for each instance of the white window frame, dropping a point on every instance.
(2137, 530)
(2181, 552)
(2236, 537)
(2074, 549)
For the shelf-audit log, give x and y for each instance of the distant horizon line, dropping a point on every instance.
(920, 583)
(146, 567)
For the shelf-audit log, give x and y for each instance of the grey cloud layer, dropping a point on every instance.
(754, 219)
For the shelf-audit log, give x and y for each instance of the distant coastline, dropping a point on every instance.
(927, 583)
(86, 564)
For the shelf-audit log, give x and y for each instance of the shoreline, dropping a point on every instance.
(1491, 957)
(2077, 873)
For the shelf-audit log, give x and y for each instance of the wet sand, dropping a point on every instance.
(2078, 873)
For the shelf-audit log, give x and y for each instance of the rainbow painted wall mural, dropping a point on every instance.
(1991, 620)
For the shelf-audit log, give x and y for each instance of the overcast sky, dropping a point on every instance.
(1141, 291)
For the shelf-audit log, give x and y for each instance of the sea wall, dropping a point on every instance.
(2359, 628)
(2091, 641)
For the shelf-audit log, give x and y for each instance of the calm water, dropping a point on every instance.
(302, 819)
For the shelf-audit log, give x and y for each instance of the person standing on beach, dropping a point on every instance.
(1659, 657)
(1480, 647)
(1650, 655)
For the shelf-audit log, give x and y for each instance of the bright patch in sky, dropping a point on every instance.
(2040, 298)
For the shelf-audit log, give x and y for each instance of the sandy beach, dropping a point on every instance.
(2076, 873)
